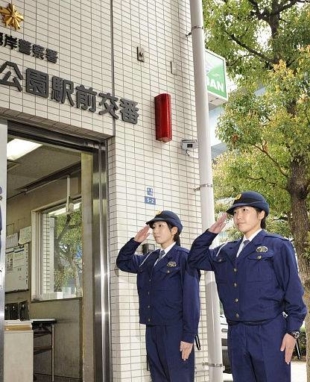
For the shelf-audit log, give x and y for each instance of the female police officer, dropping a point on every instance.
(168, 298)
(259, 287)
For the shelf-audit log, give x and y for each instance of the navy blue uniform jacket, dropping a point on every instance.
(261, 283)
(168, 292)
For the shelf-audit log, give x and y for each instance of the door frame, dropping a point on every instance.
(97, 348)
(3, 183)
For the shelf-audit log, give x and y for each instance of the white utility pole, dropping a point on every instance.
(215, 360)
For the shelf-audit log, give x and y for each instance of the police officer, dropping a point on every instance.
(259, 287)
(168, 298)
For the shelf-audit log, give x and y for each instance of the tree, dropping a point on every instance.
(68, 251)
(266, 122)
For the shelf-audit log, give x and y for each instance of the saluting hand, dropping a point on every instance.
(219, 224)
(186, 349)
(142, 234)
(288, 345)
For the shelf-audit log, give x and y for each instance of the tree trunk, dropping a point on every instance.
(307, 302)
(299, 223)
(76, 277)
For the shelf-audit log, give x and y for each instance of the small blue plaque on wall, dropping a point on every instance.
(149, 200)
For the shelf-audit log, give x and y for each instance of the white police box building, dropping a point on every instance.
(79, 80)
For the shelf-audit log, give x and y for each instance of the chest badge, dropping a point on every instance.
(262, 249)
(172, 264)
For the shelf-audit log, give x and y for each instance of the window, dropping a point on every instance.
(58, 261)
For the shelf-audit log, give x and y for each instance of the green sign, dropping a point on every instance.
(216, 75)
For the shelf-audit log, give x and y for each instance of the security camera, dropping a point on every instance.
(187, 144)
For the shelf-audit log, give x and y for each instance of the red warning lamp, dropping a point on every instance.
(163, 117)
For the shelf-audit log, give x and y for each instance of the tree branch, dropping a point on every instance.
(254, 52)
(272, 160)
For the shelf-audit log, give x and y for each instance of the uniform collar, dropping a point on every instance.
(252, 236)
(168, 248)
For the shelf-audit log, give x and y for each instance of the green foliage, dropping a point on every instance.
(68, 234)
(265, 124)
(236, 171)
(68, 250)
(265, 132)
(302, 342)
(253, 36)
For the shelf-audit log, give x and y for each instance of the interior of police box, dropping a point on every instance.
(43, 165)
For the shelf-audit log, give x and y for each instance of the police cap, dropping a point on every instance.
(249, 198)
(168, 217)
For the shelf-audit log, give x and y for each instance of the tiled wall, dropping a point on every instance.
(137, 160)
(80, 32)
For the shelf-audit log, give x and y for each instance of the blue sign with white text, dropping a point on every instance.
(149, 200)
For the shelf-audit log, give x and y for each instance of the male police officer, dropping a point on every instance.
(168, 298)
(259, 287)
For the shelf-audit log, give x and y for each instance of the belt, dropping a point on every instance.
(250, 323)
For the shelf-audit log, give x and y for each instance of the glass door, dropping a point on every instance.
(3, 187)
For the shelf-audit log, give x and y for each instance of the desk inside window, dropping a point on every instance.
(43, 327)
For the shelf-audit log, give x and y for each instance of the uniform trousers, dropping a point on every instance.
(164, 356)
(254, 352)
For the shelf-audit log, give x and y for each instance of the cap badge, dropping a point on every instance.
(261, 249)
(172, 264)
(238, 196)
(158, 212)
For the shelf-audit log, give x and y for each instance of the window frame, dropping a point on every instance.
(37, 260)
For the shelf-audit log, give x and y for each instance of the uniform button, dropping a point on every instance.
(148, 306)
(150, 280)
(149, 320)
(148, 293)
(259, 257)
(237, 315)
(236, 299)
(235, 285)
(235, 269)
(168, 271)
